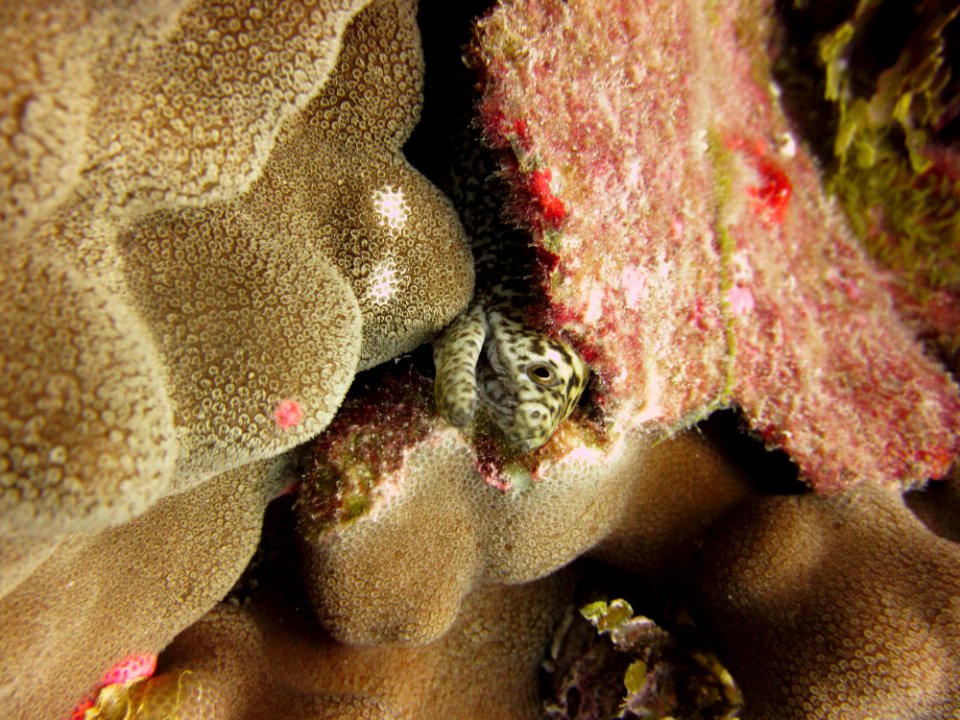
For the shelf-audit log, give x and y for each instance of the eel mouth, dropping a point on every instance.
(496, 388)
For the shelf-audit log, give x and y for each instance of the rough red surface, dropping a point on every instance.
(700, 262)
(350, 465)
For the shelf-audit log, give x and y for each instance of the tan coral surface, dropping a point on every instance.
(220, 223)
(271, 656)
(97, 597)
(401, 573)
(836, 607)
(100, 115)
(201, 240)
(180, 295)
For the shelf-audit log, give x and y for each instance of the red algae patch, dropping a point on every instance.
(355, 465)
(687, 246)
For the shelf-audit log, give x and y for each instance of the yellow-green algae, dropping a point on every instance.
(905, 209)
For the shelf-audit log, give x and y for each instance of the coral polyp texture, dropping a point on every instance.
(96, 598)
(387, 473)
(237, 240)
(245, 663)
(836, 607)
(687, 242)
(208, 229)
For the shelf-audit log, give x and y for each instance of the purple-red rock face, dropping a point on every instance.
(687, 244)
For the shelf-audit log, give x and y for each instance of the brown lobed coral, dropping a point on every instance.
(836, 607)
(449, 532)
(268, 659)
(207, 227)
(94, 598)
(237, 239)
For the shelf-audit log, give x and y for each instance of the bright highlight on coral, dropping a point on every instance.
(392, 207)
(383, 283)
(288, 414)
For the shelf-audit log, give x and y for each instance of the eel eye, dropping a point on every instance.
(542, 374)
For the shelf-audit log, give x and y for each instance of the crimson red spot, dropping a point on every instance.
(550, 205)
(547, 262)
(80, 711)
(773, 193)
(288, 414)
(939, 458)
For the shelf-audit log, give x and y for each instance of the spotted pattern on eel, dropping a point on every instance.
(489, 358)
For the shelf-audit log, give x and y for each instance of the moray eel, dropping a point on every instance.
(525, 382)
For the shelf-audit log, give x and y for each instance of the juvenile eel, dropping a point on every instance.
(488, 358)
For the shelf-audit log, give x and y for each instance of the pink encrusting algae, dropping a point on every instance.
(693, 252)
(137, 666)
(132, 667)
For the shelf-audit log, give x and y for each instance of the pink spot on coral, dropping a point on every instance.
(698, 315)
(288, 414)
(550, 205)
(594, 309)
(490, 473)
(291, 488)
(132, 667)
(741, 300)
(848, 286)
(489, 465)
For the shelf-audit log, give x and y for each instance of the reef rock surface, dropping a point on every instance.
(207, 228)
(687, 241)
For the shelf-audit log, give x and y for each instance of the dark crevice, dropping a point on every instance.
(770, 472)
